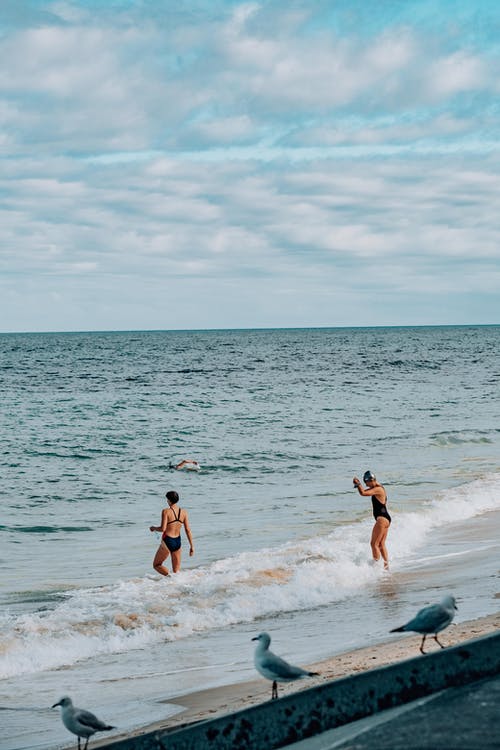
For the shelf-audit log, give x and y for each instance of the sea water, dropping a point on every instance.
(280, 421)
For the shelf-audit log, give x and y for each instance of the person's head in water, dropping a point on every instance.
(172, 497)
(369, 476)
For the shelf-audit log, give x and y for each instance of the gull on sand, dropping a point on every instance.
(80, 722)
(432, 619)
(274, 668)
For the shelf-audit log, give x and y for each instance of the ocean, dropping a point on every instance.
(280, 421)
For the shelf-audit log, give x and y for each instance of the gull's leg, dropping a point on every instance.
(274, 694)
(422, 644)
(438, 641)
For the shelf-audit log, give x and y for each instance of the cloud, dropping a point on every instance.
(168, 210)
(233, 155)
(456, 73)
(95, 83)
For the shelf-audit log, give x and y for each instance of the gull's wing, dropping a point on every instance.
(280, 668)
(430, 619)
(87, 719)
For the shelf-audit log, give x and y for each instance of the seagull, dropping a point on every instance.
(274, 668)
(432, 619)
(80, 722)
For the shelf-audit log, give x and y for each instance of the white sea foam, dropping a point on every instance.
(297, 576)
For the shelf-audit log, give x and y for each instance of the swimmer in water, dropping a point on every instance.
(187, 463)
(380, 513)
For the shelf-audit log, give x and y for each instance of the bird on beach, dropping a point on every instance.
(274, 668)
(432, 619)
(80, 722)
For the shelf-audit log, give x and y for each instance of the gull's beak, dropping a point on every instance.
(56, 704)
(256, 638)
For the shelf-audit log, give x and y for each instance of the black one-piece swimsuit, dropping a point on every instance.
(173, 542)
(380, 509)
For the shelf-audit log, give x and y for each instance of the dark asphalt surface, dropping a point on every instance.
(462, 718)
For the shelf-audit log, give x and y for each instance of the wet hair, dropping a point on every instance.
(368, 476)
(173, 496)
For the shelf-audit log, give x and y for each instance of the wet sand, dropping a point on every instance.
(207, 704)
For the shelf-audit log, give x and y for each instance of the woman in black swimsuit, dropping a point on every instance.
(380, 513)
(172, 520)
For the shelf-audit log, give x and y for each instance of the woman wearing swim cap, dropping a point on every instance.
(380, 513)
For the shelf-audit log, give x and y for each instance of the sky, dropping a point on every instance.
(168, 164)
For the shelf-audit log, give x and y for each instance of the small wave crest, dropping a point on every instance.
(302, 575)
(459, 437)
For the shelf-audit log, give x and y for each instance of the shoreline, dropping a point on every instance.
(212, 702)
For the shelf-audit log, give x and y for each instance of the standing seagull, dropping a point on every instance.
(80, 722)
(432, 619)
(274, 668)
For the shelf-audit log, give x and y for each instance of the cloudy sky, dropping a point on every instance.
(220, 164)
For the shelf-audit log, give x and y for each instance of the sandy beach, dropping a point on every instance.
(207, 704)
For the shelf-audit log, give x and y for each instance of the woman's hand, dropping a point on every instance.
(191, 551)
(153, 528)
(356, 482)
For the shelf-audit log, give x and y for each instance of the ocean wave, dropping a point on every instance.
(302, 575)
(458, 437)
(44, 529)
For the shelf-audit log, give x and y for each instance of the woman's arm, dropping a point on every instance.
(187, 529)
(186, 461)
(378, 491)
(359, 486)
(163, 526)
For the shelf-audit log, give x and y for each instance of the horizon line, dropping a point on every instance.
(251, 328)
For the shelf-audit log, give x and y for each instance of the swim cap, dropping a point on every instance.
(368, 475)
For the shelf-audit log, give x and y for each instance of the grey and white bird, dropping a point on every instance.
(274, 668)
(80, 722)
(432, 619)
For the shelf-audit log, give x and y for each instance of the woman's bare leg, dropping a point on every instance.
(377, 542)
(383, 548)
(176, 560)
(161, 555)
(374, 541)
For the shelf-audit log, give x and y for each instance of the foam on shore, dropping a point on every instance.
(298, 576)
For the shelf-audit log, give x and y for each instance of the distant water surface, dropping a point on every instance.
(280, 420)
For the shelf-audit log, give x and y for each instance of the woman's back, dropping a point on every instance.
(175, 520)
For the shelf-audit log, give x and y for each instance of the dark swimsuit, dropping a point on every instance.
(380, 509)
(173, 542)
